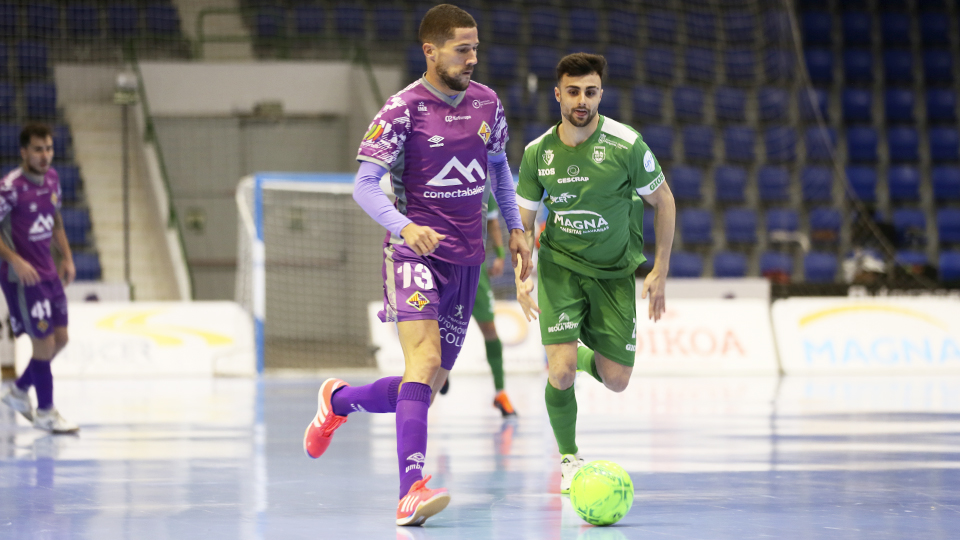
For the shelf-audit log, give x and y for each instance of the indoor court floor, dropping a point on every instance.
(711, 458)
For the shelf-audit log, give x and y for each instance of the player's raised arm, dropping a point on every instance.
(664, 224)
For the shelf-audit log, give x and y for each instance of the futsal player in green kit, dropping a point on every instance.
(596, 173)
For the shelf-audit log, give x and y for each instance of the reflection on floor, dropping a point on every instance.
(711, 458)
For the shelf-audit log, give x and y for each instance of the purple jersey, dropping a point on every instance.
(436, 150)
(27, 213)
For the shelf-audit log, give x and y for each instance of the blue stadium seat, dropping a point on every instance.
(937, 67)
(821, 143)
(9, 141)
(41, 100)
(934, 30)
(61, 140)
(162, 20)
(610, 103)
(895, 30)
(948, 225)
(739, 143)
(898, 66)
(686, 183)
(904, 143)
(730, 182)
(88, 266)
(123, 21)
(773, 184)
(772, 263)
(774, 104)
(660, 141)
(863, 182)
(944, 144)
(700, 65)
(69, 181)
(533, 130)
(542, 61)
(740, 65)
(8, 100)
(777, 28)
(621, 27)
(904, 184)
(386, 25)
(584, 25)
(728, 264)
(817, 28)
(862, 144)
(740, 27)
(544, 24)
(621, 63)
(311, 20)
(778, 64)
(857, 66)
(825, 225)
(4, 61)
(649, 231)
(941, 105)
(32, 59)
(701, 26)
(946, 183)
(76, 222)
(910, 226)
(782, 219)
(857, 28)
(810, 101)
(688, 103)
(517, 105)
(647, 103)
(5, 169)
(740, 226)
(781, 144)
(698, 143)
(932, 5)
(819, 267)
(659, 64)
(686, 265)
(730, 104)
(501, 62)
(270, 22)
(83, 21)
(662, 26)
(898, 105)
(911, 258)
(816, 184)
(505, 24)
(949, 265)
(43, 20)
(9, 21)
(696, 227)
(819, 65)
(857, 105)
(350, 20)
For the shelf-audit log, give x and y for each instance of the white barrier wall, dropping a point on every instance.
(899, 335)
(153, 339)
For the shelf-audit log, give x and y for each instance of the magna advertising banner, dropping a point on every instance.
(868, 335)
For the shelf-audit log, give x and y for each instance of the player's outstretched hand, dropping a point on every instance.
(68, 272)
(496, 268)
(423, 240)
(519, 246)
(524, 288)
(655, 285)
(26, 272)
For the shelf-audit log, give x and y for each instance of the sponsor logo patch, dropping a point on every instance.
(477, 103)
(573, 170)
(473, 173)
(451, 118)
(484, 132)
(648, 162)
(418, 459)
(422, 107)
(580, 222)
(374, 133)
(563, 198)
(418, 301)
(435, 141)
(459, 311)
(546, 172)
(563, 323)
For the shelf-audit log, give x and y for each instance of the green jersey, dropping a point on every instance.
(595, 227)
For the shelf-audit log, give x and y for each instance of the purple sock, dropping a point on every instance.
(378, 397)
(26, 378)
(412, 408)
(42, 382)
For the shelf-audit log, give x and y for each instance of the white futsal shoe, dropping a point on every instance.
(18, 400)
(50, 420)
(569, 465)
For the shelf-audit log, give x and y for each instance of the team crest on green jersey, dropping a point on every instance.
(599, 153)
(548, 157)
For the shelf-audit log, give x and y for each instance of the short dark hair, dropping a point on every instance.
(32, 130)
(440, 22)
(580, 64)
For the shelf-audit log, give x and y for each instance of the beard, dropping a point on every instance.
(580, 123)
(453, 83)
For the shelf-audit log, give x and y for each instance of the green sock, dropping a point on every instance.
(495, 359)
(562, 409)
(587, 363)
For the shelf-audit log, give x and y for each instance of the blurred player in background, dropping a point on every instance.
(31, 283)
(437, 138)
(594, 171)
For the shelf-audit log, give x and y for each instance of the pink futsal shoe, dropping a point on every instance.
(420, 503)
(317, 437)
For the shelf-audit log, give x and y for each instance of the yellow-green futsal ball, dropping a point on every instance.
(601, 492)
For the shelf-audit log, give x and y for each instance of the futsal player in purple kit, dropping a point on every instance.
(31, 283)
(437, 138)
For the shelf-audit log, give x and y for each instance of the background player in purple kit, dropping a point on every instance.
(437, 138)
(29, 219)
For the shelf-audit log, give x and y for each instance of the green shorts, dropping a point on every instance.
(483, 305)
(600, 312)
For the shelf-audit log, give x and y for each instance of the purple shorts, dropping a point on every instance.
(35, 310)
(419, 288)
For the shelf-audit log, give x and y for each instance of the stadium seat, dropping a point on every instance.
(782, 219)
(730, 183)
(162, 20)
(895, 30)
(686, 183)
(739, 143)
(857, 66)
(904, 143)
(621, 27)
(781, 144)
(350, 20)
(819, 267)
(862, 144)
(505, 24)
(544, 24)
(517, 105)
(898, 105)
(811, 101)
(934, 30)
(5, 169)
(9, 141)
(686, 265)
(857, 29)
(385, 23)
(610, 104)
(69, 181)
(662, 26)
(740, 226)
(700, 65)
(948, 225)
(911, 258)
(649, 231)
(730, 104)
(659, 64)
(660, 141)
(898, 66)
(88, 266)
(9, 20)
(819, 65)
(817, 28)
(941, 105)
(773, 263)
(701, 26)
(688, 104)
(270, 23)
(43, 20)
(8, 100)
(76, 222)
(773, 184)
(698, 143)
(825, 225)
(904, 184)
(778, 64)
(4, 61)
(41, 100)
(816, 184)
(32, 59)
(533, 130)
(863, 182)
(740, 65)
(937, 67)
(647, 104)
(62, 139)
(621, 63)
(821, 144)
(857, 105)
(584, 25)
(501, 62)
(944, 144)
(696, 227)
(949, 265)
(123, 21)
(83, 21)
(309, 21)
(542, 61)
(777, 28)
(728, 264)
(740, 28)
(910, 226)
(932, 5)
(946, 184)
(774, 103)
